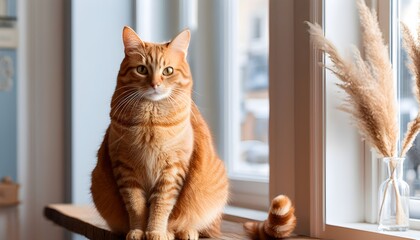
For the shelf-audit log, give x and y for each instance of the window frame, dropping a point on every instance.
(291, 170)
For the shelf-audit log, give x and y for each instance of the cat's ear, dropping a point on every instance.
(181, 41)
(131, 39)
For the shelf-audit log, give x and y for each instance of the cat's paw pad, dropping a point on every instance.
(154, 235)
(135, 234)
(187, 235)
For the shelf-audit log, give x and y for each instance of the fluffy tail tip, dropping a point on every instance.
(280, 223)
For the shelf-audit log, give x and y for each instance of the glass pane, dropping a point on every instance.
(250, 26)
(407, 12)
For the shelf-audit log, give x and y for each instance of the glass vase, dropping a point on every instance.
(394, 195)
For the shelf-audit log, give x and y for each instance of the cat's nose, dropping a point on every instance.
(155, 85)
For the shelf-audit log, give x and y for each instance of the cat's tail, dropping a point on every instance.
(280, 223)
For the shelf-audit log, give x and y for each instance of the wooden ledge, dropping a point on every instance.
(86, 221)
(83, 220)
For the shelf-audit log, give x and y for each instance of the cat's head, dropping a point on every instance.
(156, 71)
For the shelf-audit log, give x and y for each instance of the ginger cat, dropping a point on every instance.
(158, 175)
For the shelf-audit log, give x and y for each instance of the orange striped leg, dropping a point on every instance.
(162, 202)
(134, 200)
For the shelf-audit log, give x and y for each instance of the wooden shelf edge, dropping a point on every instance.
(78, 226)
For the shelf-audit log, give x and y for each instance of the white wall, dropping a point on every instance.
(41, 97)
(158, 26)
(96, 53)
(40, 114)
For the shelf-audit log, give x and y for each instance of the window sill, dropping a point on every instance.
(239, 214)
(372, 228)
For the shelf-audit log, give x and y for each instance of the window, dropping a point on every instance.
(407, 12)
(246, 108)
(248, 155)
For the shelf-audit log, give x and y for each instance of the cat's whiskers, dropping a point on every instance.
(123, 95)
(182, 101)
(179, 99)
(122, 87)
(122, 102)
(127, 104)
(196, 93)
(137, 100)
(185, 98)
(171, 101)
(120, 105)
(120, 108)
(182, 93)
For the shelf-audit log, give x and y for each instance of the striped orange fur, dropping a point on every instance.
(280, 223)
(158, 175)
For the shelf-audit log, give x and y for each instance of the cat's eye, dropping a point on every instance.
(168, 71)
(142, 70)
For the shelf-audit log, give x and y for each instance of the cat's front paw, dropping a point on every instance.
(135, 234)
(154, 235)
(187, 235)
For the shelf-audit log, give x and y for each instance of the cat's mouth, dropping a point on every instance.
(157, 94)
